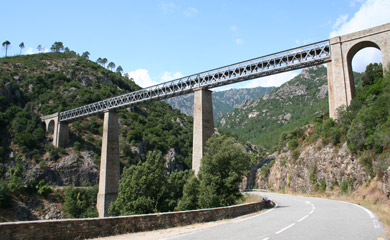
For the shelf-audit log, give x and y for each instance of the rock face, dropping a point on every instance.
(314, 165)
(386, 183)
(72, 169)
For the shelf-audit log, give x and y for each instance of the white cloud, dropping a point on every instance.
(239, 41)
(365, 57)
(142, 78)
(190, 11)
(372, 13)
(167, 76)
(168, 7)
(340, 21)
(353, 3)
(30, 50)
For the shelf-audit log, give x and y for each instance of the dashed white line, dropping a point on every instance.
(284, 229)
(300, 220)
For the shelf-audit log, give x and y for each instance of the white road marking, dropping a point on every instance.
(375, 220)
(284, 229)
(300, 220)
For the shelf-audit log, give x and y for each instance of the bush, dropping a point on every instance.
(80, 203)
(5, 197)
(344, 186)
(190, 199)
(43, 188)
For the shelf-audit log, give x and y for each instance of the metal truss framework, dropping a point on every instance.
(296, 58)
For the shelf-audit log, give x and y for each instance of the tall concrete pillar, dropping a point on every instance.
(203, 125)
(62, 134)
(340, 84)
(109, 164)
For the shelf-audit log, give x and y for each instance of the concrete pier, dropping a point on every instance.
(203, 125)
(109, 164)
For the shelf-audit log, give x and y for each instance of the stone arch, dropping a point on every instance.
(343, 48)
(351, 53)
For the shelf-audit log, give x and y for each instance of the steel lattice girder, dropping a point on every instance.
(301, 57)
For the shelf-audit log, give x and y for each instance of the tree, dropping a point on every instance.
(6, 44)
(99, 61)
(221, 172)
(189, 201)
(85, 55)
(104, 61)
(111, 65)
(373, 71)
(142, 187)
(39, 48)
(57, 47)
(21, 45)
(119, 69)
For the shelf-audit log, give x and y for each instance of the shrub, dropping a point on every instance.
(344, 186)
(5, 197)
(43, 188)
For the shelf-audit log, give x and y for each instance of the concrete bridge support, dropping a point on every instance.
(59, 129)
(109, 164)
(203, 125)
(343, 48)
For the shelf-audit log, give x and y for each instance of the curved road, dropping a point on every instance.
(299, 218)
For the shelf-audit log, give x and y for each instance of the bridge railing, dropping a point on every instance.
(300, 57)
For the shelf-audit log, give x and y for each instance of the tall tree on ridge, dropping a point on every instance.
(111, 65)
(119, 69)
(57, 47)
(21, 45)
(104, 61)
(6, 44)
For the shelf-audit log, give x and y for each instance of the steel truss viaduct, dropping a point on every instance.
(292, 59)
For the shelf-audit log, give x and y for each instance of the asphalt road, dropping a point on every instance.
(299, 218)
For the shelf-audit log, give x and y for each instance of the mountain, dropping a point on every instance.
(35, 85)
(292, 105)
(223, 101)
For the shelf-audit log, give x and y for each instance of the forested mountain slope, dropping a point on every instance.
(41, 84)
(223, 101)
(292, 105)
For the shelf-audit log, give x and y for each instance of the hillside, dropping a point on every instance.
(347, 157)
(223, 101)
(292, 105)
(40, 84)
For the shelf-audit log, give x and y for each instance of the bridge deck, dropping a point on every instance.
(296, 58)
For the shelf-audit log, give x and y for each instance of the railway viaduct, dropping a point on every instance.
(336, 53)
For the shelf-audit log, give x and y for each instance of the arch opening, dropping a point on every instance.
(50, 127)
(358, 57)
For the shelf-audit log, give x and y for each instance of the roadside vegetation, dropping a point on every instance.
(146, 187)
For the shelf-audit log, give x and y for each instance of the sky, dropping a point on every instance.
(157, 41)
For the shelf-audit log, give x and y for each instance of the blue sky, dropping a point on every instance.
(156, 41)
